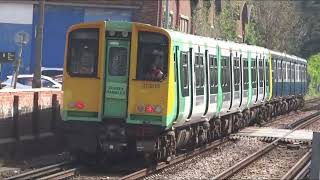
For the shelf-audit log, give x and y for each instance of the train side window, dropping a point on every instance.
(236, 73)
(280, 71)
(212, 73)
(83, 52)
(245, 73)
(184, 73)
(267, 72)
(261, 74)
(254, 72)
(292, 72)
(274, 70)
(152, 62)
(199, 71)
(297, 72)
(225, 74)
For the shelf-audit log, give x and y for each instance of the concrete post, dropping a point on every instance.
(315, 157)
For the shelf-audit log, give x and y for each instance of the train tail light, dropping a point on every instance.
(80, 105)
(149, 108)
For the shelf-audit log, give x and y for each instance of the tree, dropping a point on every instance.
(279, 25)
(226, 22)
(314, 73)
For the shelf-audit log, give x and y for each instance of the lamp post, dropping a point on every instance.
(36, 83)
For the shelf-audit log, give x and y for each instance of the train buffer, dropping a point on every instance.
(270, 134)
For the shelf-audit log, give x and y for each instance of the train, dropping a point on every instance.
(133, 86)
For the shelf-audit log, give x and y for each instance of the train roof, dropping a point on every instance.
(212, 42)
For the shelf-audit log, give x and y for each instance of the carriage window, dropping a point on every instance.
(274, 69)
(83, 52)
(261, 73)
(292, 72)
(245, 73)
(199, 71)
(237, 73)
(152, 56)
(267, 73)
(280, 71)
(225, 66)
(184, 73)
(118, 61)
(254, 71)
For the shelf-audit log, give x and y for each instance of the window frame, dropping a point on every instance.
(96, 62)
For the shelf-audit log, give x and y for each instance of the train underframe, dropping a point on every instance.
(114, 138)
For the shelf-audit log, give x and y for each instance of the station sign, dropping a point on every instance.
(7, 57)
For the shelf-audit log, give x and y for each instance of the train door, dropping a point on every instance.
(236, 79)
(116, 79)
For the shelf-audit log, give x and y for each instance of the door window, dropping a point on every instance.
(118, 61)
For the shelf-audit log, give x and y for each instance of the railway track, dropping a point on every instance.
(62, 170)
(180, 158)
(252, 158)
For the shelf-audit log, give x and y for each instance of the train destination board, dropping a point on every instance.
(7, 57)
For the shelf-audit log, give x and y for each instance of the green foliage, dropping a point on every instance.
(251, 36)
(227, 22)
(314, 73)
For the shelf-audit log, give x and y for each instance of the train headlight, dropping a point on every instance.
(158, 109)
(140, 108)
(112, 33)
(124, 34)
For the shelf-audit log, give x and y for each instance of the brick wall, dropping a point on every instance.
(148, 13)
(29, 116)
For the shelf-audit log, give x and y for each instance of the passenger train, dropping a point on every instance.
(135, 86)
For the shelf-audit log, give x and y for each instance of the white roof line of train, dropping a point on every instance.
(231, 44)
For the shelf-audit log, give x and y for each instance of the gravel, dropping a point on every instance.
(211, 163)
(273, 165)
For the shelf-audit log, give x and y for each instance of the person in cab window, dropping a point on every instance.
(155, 73)
(86, 60)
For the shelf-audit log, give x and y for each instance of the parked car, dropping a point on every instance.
(54, 73)
(24, 81)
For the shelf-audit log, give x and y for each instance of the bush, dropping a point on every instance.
(314, 74)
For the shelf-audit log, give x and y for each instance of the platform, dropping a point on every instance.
(271, 134)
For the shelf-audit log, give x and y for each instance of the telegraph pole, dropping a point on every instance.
(167, 14)
(36, 83)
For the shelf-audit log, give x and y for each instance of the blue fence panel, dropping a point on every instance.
(57, 21)
(7, 43)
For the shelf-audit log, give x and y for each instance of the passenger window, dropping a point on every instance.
(254, 71)
(225, 74)
(118, 61)
(267, 72)
(245, 73)
(237, 75)
(261, 74)
(199, 71)
(152, 56)
(184, 73)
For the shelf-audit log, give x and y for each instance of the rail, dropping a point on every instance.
(57, 171)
